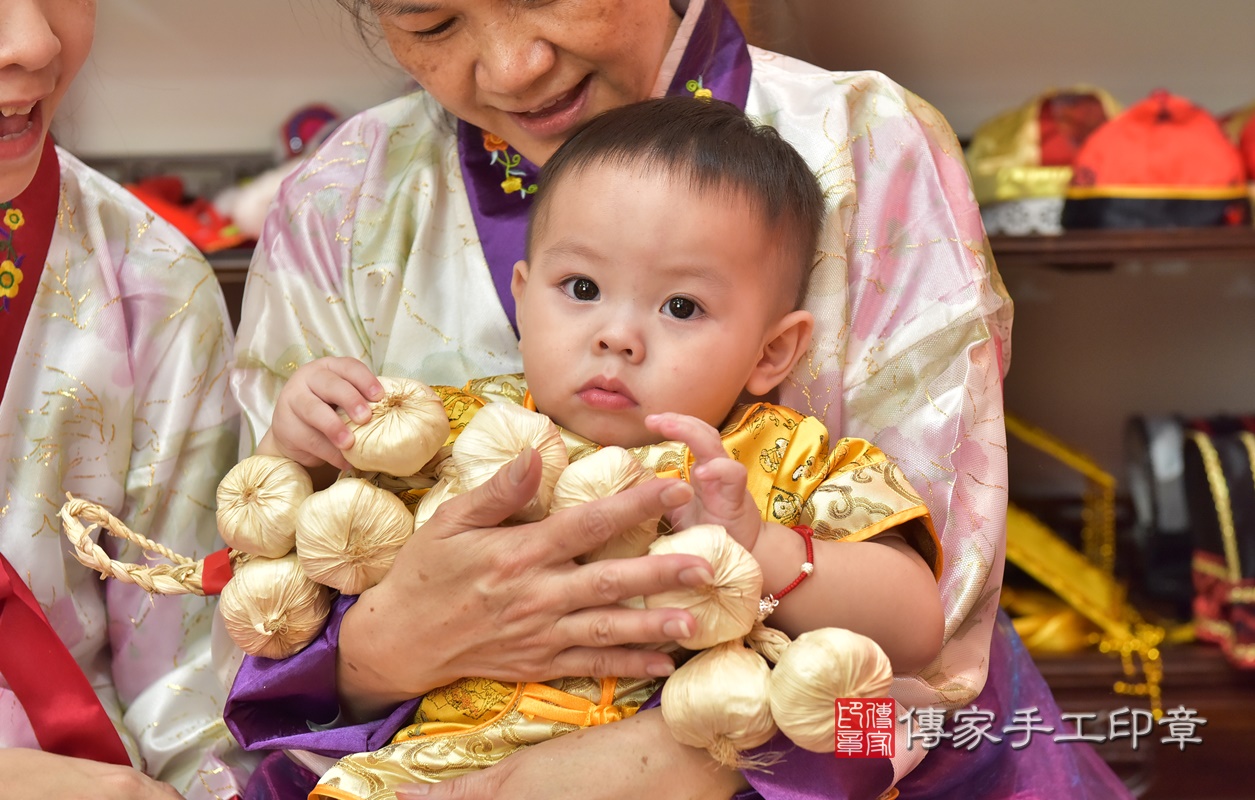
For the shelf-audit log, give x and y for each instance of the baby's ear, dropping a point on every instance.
(518, 281)
(783, 346)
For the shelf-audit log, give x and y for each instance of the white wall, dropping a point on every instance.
(211, 76)
(195, 76)
(974, 58)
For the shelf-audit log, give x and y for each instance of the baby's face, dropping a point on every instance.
(643, 296)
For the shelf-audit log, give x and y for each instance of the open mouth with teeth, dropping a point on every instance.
(15, 120)
(559, 103)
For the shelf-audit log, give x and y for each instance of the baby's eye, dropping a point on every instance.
(581, 289)
(681, 308)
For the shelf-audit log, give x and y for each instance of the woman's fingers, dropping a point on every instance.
(583, 528)
(489, 504)
(36, 775)
(611, 662)
(602, 583)
(616, 626)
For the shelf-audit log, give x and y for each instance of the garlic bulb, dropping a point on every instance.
(727, 608)
(495, 437)
(819, 667)
(405, 430)
(270, 608)
(718, 701)
(431, 500)
(603, 473)
(348, 534)
(257, 504)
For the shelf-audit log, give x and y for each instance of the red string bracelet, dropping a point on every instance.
(768, 604)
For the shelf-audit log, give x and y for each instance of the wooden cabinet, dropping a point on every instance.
(1099, 249)
(1197, 677)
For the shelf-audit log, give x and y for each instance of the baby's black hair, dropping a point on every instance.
(716, 147)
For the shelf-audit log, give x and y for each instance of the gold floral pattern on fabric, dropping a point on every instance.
(121, 398)
(846, 490)
(912, 321)
(472, 724)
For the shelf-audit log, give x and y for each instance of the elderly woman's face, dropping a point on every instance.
(530, 71)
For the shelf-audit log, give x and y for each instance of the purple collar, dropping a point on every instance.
(500, 182)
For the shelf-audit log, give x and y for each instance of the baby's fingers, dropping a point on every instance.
(702, 439)
(345, 383)
(320, 437)
(721, 480)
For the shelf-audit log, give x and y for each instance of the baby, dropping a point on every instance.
(669, 251)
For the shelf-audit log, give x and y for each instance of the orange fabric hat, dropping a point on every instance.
(1164, 162)
(1239, 126)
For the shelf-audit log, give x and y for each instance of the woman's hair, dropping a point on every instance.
(363, 19)
(716, 148)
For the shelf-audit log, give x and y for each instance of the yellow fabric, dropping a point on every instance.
(540, 700)
(846, 490)
(1220, 497)
(1046, 623)
(1095, 594)
(1156, 192)
(1004, 156)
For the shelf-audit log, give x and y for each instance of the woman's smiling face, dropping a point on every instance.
(43, 44)
(530, 71)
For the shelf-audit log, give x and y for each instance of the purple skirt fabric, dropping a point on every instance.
(1043, 769)
(277, 705)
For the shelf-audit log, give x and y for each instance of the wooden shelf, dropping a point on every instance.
(1196, 676)
(1074, 250)
(231, 267)
(1102, 249)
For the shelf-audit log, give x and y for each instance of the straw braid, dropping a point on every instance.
(767, 642)
(184, 577)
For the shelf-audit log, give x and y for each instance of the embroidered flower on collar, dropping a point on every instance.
(514, 176)
(10, 259)
(10, 282)
(494, 143)
(699, 91)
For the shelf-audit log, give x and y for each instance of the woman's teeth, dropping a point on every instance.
(563, 99)
(13, 111)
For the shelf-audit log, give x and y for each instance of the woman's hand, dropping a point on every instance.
(467, 598)
(719, 482)
(626, 760)
(306, 426)
(36, 775)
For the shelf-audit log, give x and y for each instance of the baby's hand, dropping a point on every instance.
(720, 496)
(306, 427)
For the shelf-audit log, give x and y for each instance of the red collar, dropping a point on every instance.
(26, 226)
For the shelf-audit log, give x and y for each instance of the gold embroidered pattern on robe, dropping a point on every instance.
(846, 490)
